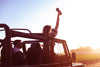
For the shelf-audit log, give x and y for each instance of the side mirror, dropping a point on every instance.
(73, 56)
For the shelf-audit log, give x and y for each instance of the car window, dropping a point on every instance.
(60, 53)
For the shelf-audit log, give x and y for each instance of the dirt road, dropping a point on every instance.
(93, 65)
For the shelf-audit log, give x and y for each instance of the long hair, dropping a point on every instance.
(46, 29)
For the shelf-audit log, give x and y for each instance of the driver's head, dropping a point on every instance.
(18, 44)
(47, 29)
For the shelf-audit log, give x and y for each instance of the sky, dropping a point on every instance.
(79, 22)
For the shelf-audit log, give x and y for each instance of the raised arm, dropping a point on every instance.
(54, 30)
(57, 22)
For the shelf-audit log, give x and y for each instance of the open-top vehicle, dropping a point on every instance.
(63, 56)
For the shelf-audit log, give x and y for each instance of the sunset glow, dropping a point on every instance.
(79, 22)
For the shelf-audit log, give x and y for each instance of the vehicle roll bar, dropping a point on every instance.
(7, 47)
